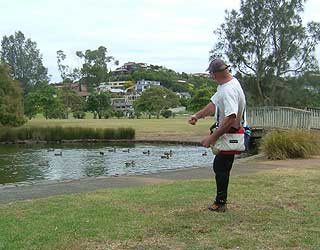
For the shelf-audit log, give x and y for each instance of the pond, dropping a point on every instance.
(32, 163)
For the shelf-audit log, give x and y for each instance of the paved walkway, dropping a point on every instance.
(46, 189)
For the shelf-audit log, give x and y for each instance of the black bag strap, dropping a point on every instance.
(242, 120)
(216, 124)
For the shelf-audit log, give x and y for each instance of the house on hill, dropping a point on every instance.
(142, 85)
(112, 87)
(128, 67)
(207, 75)
(79, 88)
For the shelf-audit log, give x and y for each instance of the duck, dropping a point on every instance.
(58, 154)
(146, 152)
(112, 150)
(164, 156)
(101, 153)
(126, 150)
(129, 163)
(168, 153)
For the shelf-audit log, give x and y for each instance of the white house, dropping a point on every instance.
(142, 85)
(113, 87)
(183, 94)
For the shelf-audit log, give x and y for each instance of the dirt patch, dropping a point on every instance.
(314, 161)
(153, 243)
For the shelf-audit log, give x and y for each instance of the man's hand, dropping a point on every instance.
(192, 120)
(207, 141)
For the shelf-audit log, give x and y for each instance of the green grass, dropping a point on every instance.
(165, 129)
(271, 210)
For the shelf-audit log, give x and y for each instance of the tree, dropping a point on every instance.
(24, 59)
(155, 99)
(67, 74)
(11, 108)
(44, 98)
(267, 41)
(95, 67)
(63, 69)
(200, 98)
(71, 100)
(304, 91)
(99, 104)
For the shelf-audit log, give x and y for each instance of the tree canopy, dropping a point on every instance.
(267, 41)
(155, 99)
(201, 98)
(95, 67)
(44, 98)
(11, 108)
(99, 104)
(23, 58)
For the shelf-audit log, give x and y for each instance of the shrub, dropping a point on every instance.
(79, 114)
(11, 119)
(278, 145)
(118, 114)
(166, 113)
(106, 114)
(137, 114)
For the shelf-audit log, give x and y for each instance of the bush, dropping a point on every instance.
(166, 113)
(12, 120)
(137, 114)
(118, 114)
(279, 145)
(106, 114)
(79, 114)
(58, 112)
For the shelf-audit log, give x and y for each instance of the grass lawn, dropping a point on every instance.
(271, 210)
(159, 129)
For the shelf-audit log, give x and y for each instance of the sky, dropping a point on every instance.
(176, 34)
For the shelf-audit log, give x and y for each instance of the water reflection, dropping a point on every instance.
(21, 163)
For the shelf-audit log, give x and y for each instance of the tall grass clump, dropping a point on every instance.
(280, 145)
(64, 133)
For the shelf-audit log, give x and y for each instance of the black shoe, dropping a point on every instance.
(220, 208)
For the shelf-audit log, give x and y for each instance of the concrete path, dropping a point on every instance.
(241, 167)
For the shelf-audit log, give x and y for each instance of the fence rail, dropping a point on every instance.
(315, 120)
(283, 117)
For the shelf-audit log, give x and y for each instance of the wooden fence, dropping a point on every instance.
(283, 117)
(315, 117)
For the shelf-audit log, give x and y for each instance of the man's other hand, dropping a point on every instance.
(207, 141)
(192, 120)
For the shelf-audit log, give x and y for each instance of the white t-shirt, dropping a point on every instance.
(230, 99)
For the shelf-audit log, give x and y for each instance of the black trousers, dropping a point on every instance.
(222, 165)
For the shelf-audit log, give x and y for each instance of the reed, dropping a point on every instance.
(59, 133)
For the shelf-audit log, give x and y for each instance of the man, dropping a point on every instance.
(228, 105)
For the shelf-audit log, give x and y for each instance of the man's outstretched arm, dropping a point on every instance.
(206, 111)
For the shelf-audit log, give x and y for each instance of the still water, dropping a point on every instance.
(21, 163)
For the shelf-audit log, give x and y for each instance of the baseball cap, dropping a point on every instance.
(217, 65)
